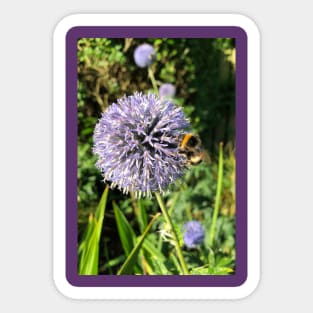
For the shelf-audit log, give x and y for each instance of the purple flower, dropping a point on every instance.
(194, 233)
(144, 55)
(167, 91)
(136, 141)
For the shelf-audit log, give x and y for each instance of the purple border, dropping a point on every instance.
(241, 156)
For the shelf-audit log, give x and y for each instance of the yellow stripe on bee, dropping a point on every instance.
(185, 140)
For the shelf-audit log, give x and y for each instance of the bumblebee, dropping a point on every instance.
(191, 147)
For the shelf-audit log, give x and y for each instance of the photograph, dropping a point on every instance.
(156, 156)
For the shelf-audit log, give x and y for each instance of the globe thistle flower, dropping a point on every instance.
(194, 234)
(136, 141)
(144, 55)
(167, 91)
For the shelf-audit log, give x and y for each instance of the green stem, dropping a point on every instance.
(153, 81)
(218, 195)
(169, 222)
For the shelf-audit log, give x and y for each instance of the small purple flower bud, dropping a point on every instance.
(144, 55)
(194, 234)
(137, 143)
(167, 91)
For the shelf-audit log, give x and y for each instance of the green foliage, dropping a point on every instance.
(203, 71)
(89, 247)
(131, 259)
(126, 232)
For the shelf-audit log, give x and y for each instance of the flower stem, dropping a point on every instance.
(218, 195)
(169, 222)
(153, 81)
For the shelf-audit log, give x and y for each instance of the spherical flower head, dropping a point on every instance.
(167, 91)
(136, 141)
(144, 55)
(194, 234)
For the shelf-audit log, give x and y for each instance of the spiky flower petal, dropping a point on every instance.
(136, 141)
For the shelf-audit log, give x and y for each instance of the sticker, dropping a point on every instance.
(156, 156)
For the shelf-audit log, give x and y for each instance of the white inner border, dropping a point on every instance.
(59, 156)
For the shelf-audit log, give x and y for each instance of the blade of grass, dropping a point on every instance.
(146, 266)
(176, 263)
(149, 247)
(90, 265)
(140, 212)
(126, 232)
(142, 216)
(89, 247)
(132, 257)
(218, 195)
(159, 267)
(113, 262)
(84, 241)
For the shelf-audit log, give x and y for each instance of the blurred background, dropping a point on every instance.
(203, 72)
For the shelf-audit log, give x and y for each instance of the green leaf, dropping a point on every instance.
(113, 262)
(88, 249)
(159, 267)
(132, 257)
(88, 231)
(220, 270)
(126, 232)
(176, 263)
(224, 262)
(142, 215)
(101, 207)
(203, 270)
(150, 248)
(89, 264)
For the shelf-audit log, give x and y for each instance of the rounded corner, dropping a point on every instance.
(249, 286)
(65, 25)
(247, 24)
(241, 279)
(64, 286)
